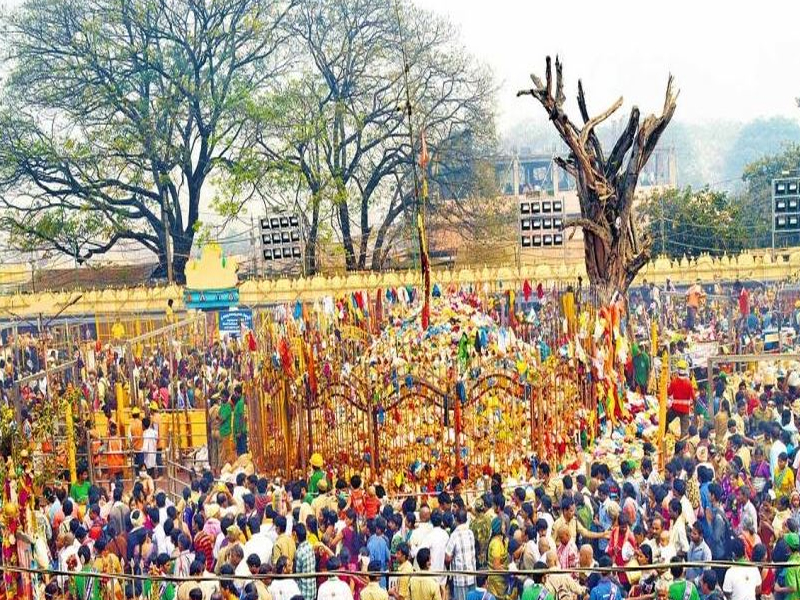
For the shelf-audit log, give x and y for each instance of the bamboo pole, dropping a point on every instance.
(662, 411)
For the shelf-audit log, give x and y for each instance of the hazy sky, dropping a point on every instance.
(735, 59)
(732, 60)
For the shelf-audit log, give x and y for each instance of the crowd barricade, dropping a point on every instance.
(464, 427)
(182, 440)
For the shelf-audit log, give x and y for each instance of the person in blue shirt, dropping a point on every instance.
(606, 588)
(604, 519)
(377, 546)
(480, 592)
(705, 475)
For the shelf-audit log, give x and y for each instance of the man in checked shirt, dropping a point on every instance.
(460, 556)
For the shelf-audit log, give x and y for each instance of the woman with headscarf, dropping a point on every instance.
(497, 560)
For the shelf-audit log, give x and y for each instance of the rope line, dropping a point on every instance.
(559, 571)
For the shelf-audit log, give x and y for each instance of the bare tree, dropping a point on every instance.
(615, 248)
(342, 134)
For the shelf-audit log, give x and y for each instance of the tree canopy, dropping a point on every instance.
(343, 136)
(117, 114)
(686, 222)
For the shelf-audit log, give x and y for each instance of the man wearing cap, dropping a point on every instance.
(317, 474)
(481, 527)
(324, 500)
(791, 583)
(681, 395)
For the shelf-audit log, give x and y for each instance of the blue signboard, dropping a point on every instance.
(231, 321)
(211, 299)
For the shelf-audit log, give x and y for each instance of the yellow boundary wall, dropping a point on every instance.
(748, 266)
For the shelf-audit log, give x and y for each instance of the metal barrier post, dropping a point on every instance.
(90, 457)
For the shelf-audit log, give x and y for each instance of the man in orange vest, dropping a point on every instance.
(114, 452)
(681, 397)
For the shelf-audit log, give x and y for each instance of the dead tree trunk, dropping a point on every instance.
(614, 248)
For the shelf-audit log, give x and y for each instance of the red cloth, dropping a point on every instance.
(615, 545)
(371, 506)
(744, 302)
(682, 393)
(527, 290)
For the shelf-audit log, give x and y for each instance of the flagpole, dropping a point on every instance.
(419, 198)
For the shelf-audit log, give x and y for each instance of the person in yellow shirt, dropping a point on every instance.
(284, 545)
(374, 591)
(424, 588)
(497, 559)
(741, 450)
(404, 570)
(784, 478)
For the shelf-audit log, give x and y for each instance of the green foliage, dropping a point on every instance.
(687, 222)
(121, 112)
(758, 177)
(341, 124)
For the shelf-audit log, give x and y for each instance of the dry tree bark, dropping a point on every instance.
(614, 249)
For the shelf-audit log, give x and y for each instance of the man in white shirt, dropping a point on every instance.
(742, 581)
(247, 568)
(436, 542)
(149, 446)
(747, 512)
(259, 543)
(160, 536)
(679, 492)
(421, 531)
(678, 537)
(334, 588)
(777, 447)
(285, 589)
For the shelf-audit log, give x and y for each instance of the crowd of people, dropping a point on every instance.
(728, 492)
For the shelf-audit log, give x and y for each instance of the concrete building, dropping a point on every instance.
(546, 197)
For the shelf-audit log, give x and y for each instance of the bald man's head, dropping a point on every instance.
(551, 558)
(424, 514)
(585, 556)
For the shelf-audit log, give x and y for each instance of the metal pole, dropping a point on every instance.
(772, 228)
(253, 247)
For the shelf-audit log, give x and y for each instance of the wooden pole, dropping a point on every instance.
(662, 411)
(70, 426)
